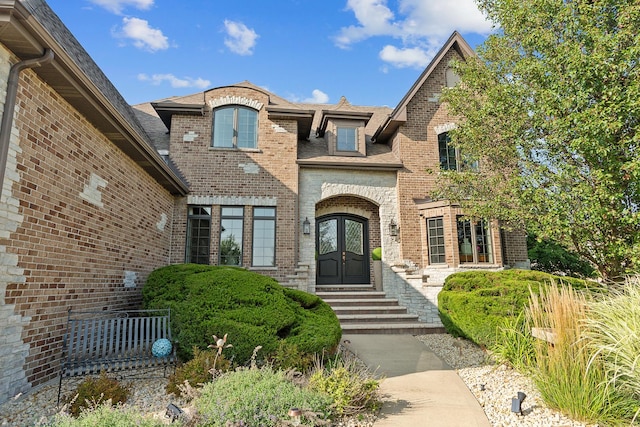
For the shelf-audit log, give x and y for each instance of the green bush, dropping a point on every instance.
(94, 391)
(106, 415)
(197, 370)
(551, 257)
(475, 304)
(288, 356)
(376, 254)
(257, 397)
(254, 310)
(349, 383)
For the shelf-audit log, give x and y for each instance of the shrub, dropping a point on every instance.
(349, 384)
(551, 257)
(288, 356)
(376, 254)
(254, 310)
(257, 397)
(196, 371)
(94, 391)
(475, 304)
(105, 415)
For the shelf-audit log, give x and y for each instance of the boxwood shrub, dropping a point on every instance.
(254, 310)
(474, 304)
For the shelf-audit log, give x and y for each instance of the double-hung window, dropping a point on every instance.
(264, 237)
(198, 234)
(450, 157)
(474, 241)
(231, 227)
(235, 127)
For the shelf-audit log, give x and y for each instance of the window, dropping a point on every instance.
(198, 234)
(346, 139)
(435, 235)
(231, 225)
(450, 158)
(474, 241)
(235, 127)
(264, 237)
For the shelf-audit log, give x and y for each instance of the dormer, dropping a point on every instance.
(344, 132)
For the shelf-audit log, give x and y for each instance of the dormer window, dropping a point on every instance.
(344, 132)
(235, 126)
(347, 138)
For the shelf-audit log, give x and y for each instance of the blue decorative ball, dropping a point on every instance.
(161, 348)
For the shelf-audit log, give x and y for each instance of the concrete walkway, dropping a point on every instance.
(418, 388)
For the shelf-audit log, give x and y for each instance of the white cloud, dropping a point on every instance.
(402, 58)
(420, 26)
(374, 17)
(116, 6)
(175, 82)
(143, 36)
(317, 97)
(240, 39)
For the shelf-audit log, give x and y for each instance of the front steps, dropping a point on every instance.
(363, 310)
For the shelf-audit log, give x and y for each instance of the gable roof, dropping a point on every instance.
(399, 114)
(27, 28)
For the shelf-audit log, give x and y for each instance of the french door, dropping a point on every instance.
(342, 245)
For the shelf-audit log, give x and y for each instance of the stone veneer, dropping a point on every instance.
(321, 184)
(14, 350)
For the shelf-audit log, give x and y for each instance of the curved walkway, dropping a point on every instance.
(418, 388)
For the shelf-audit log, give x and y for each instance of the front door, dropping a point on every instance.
(343, 249)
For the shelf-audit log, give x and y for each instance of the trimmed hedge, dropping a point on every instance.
(254, 310)
(474, 304)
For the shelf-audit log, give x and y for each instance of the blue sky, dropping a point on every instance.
(370, 51)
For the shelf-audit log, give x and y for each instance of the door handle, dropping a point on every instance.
(344, 257)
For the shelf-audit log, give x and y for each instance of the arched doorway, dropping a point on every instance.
(342, 245)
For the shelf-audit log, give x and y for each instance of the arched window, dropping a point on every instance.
(235, 126)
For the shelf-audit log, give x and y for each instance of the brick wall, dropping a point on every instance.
(82, 227)
(417, 144)
(267, 176)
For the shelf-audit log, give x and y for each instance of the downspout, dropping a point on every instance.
(10, 104)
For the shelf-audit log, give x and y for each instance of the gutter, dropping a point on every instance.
(10, 104)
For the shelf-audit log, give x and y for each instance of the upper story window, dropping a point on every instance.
(346, 139)
(450, 158)
(235, 127)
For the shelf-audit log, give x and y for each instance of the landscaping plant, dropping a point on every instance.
(568, 377)
(258, 397)
(107, 416)
(349, 384)
(476, 304)
(252, 309)
(613, 334)
(95, 391)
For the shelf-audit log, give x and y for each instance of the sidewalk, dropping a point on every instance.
(418, 388)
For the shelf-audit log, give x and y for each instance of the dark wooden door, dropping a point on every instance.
(343, 249)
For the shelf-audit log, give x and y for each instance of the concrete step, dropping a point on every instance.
(342, 302)
(414, 328)
(329, 296)
(338, 288)
(367, 309)
(377, 318)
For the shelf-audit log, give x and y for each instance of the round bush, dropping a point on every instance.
(474, 304)
(376, 254)
(252, 309)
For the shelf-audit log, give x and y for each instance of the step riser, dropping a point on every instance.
(362, 303)
(391, 330)
(329, 296)
(375, 311)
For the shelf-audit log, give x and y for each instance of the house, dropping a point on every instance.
(96, 193)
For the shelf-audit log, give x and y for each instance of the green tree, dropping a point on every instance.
(550, 108)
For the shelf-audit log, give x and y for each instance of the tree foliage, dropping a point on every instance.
(551, 107)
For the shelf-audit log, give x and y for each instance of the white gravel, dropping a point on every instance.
(493, 385)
